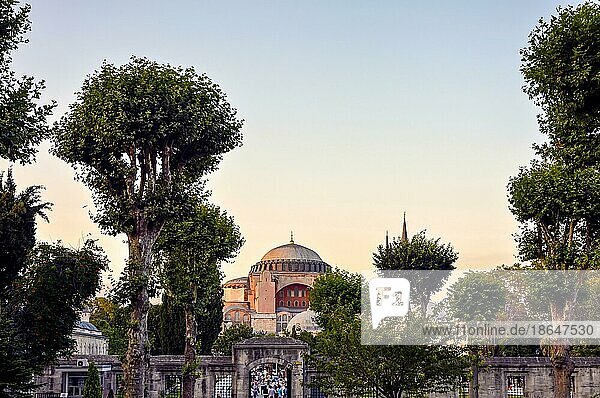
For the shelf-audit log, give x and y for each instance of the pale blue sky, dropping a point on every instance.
(355, 112)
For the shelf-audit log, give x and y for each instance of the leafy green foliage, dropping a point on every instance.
(92, 387)
(18, 211)
(192, 248)
(141, 136)
(42, 288)
(477, 296)
(112, 320)
(418, 253)
(349, 368)
(166, 326)
(22, 119)
(559, 211)
(54, 287)
(561, 67)
(337, 291)
(230, 336)
(556, 199)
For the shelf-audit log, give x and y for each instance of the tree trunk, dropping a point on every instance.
(562, 368)
(137, 359)
(189, 363)
(474, 382)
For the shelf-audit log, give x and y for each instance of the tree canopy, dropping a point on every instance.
(347, 367)
(555, 199)
(22, 118)
(43, 288)
(142, 136)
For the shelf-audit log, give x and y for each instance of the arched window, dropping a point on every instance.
(289, 303)
(304, 303)
(296, 303)
(281, 303)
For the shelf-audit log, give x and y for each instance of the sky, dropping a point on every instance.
(355, 112)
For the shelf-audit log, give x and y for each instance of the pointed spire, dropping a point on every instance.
(292, 237)
(404, 233)
(387, 240)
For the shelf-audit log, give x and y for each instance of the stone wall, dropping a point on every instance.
(229, 376)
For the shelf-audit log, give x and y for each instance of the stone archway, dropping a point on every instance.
(274, 357)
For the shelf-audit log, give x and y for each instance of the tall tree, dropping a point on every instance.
(22, 119)
(556, 198)
(193, 246)
(142, 136)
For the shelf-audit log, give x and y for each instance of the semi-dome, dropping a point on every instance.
(291, 251)
(304, 321)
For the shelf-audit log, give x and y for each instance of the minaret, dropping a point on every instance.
(387, 240)
(404, 234)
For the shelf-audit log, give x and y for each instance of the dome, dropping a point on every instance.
(306, 321)
(291, 251)
(291, 258)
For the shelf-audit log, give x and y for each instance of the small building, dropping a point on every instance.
(88, 338)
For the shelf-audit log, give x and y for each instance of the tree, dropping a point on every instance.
(42, 288)
(421, 254)
(349, 368)
(561, 68)
(22, 120)
(112, 319)
(230, 336)
(477, 296)
(91, 386)
(193, 246)
(18, 213)
(556, 199)
(142, 136)
(166, 324)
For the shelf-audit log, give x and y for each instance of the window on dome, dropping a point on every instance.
(289, 303)
(296, 303)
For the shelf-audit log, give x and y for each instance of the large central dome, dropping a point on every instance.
(291, 258)
(291, 251)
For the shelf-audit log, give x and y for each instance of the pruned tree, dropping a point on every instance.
(142, 137)
(419, 253)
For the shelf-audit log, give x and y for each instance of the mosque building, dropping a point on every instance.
(275, 295)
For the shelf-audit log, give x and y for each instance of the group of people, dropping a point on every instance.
(267, 382)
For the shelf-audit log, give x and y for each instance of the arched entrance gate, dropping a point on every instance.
(269, 368)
